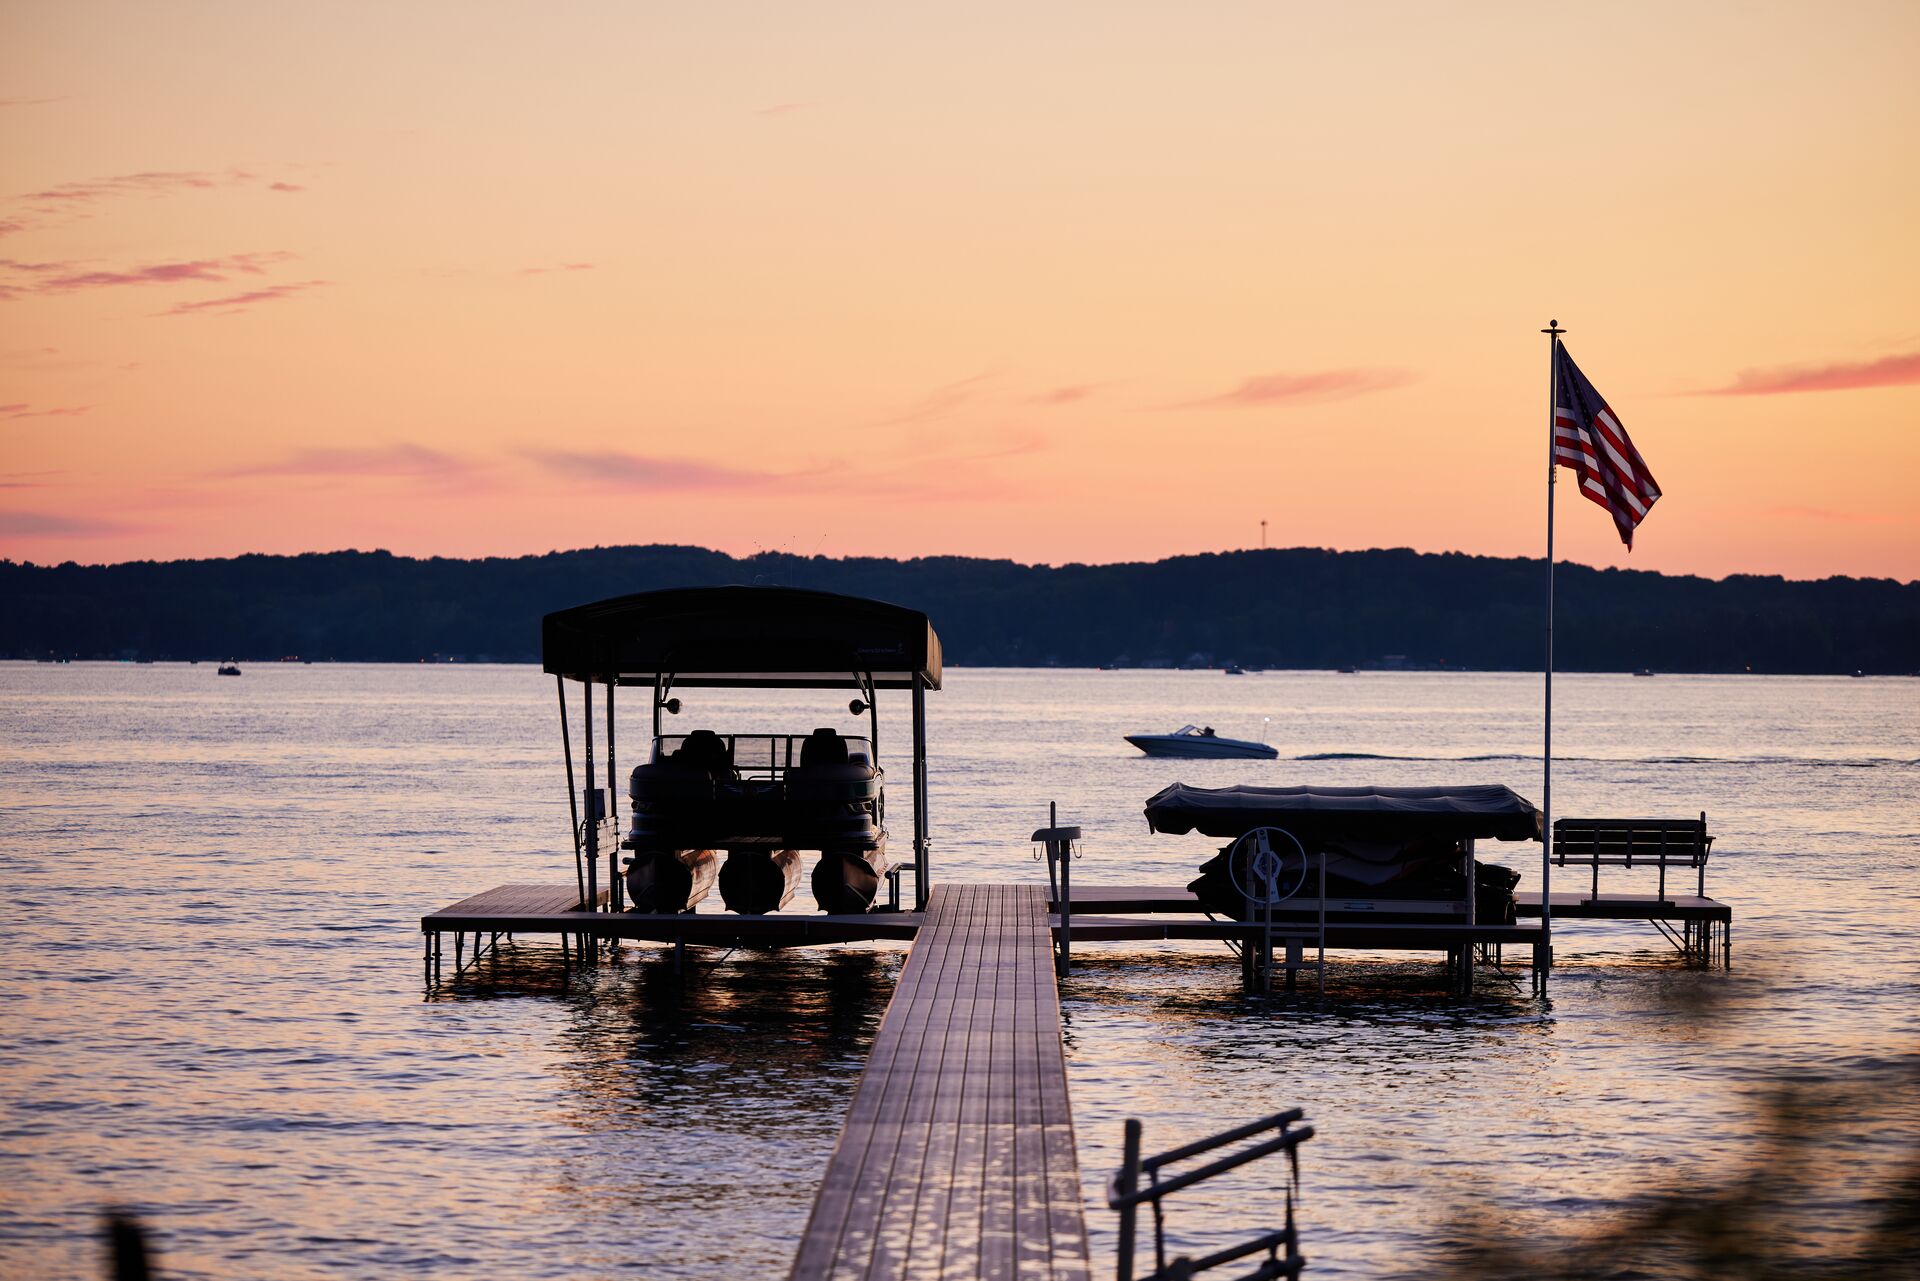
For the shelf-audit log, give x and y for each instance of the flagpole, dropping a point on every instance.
(1553, 332)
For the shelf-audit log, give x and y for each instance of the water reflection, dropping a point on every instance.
(693, 1089)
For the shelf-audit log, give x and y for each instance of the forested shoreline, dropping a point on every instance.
(1296, 607)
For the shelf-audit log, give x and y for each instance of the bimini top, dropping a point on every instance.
(1386, 813)
(781, 637)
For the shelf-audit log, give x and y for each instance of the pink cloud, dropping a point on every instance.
(152, 182)
(565, 266)
(403, 459)
(782, 108)
(938, 403)
(47, 524)
(640, 472)
(57, 411)
(1063, 395)
(1259, 390)
(1831, 516)
(27, 479)
(1888, 371)
(68, 200)
(234, 303)
(66, 277)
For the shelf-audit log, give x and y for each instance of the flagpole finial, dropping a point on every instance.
(1553, 327)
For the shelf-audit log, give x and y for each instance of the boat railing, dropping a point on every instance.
(764, 757)
(1126, 1195)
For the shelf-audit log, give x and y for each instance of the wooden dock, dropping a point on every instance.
(957, 1159)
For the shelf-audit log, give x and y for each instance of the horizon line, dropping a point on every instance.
(816, 557)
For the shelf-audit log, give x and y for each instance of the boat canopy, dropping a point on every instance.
(1379, 813)
(766, 637)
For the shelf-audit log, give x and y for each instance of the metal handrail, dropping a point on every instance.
(1125, 1195)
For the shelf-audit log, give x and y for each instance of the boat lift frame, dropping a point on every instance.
(729, 637)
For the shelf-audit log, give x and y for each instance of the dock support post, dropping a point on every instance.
(921, 889)
(1059, 844)
(1126, 1185)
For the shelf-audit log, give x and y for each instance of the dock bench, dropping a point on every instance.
(1634, 842)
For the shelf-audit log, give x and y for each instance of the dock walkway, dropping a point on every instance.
(957, 1158)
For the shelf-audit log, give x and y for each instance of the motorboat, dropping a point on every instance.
(1200, 741)
(1390, 853)
(229, 668)
(738, 811)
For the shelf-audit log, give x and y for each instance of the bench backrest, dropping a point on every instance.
(1679, 842)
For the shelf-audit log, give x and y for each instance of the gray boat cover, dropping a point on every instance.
(1374, 813)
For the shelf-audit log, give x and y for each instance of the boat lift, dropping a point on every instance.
(727, 638)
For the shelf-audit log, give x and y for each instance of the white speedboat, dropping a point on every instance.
(1199, 740)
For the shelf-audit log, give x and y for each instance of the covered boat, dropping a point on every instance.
(1387, 849)
(759, 799)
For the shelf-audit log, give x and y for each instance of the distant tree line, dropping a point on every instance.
(1299, 607)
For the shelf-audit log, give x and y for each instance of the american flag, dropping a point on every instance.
(1588, 438)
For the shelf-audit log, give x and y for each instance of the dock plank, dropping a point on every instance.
(957, 1159)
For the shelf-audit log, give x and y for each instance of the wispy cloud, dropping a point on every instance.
(618, 470)
(1262, 390)
(28, 102)
(565, 266)
(1063, 395)
(404, 459)
(150, 182)
(782, 109)
(1888, 371)
(1830, 515)
(49, 524)
(938, 403)
(24, 410)
(70, 277)
(235, 303)
(65, 201)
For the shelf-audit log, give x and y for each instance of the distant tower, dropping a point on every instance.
(1263, 535)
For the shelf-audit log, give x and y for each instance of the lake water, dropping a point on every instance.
(211, 1005)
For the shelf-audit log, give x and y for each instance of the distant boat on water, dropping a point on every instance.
(1233, 669)
(1645, 671)
(1200, 741)
(229, 668)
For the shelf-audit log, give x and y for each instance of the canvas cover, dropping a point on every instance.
(1388, 814)
(753, 636)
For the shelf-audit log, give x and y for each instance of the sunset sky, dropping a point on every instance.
(1054, 282)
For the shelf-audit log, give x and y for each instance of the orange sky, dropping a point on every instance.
(1056, 282)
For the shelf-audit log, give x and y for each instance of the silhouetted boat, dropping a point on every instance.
(1200, 741)
(760, 799)
(229, 668)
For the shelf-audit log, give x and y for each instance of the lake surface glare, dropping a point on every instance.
(211, 1007)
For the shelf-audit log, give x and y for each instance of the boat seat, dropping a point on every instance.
(822, 747)
(706, 751)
